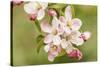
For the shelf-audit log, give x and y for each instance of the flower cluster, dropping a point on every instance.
(62, 34)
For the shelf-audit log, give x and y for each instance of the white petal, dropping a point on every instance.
(46, 48)
(41, 14)
(55, 22)
(68, 13)
(75, 34)
(51, 57)
(45, 27)
(48, 38)
(67, 30)
(77, 41)
(64, 44)
(44, 5)
(56, 40)
(30, 8)
(76, 24)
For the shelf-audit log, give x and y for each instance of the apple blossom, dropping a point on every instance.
(69, 24)
(52, 50)
(52, 32)
(36, 8)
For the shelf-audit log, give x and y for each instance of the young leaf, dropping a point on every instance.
(62, 53)
(40, 42)
(55, 6)
(38, 25)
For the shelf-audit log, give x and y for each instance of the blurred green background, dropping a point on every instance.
(25, 33)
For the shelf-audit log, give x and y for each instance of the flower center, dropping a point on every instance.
(69, 24)
(54, 31)
(54, 47)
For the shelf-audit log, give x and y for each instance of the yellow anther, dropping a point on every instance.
(69, 24)
(54, 31)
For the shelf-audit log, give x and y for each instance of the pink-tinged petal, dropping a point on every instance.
(48, 38)
(47, 48)
(86, 35)
(52, 12)
(54, 53)
(40, 14)
(30, 8)
(62, 19)
(77, 41)
(76, 24)
(79, 54)
(51, 57)
(56, 40)
(55, 22)
(60, 30)
(45, 27)
(59, 49)
(68, 13)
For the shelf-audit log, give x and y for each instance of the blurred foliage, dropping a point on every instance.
(25, 33)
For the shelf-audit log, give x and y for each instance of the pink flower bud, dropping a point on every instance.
(32, 17)
(85, 36)
(75, 53)
(52, 12)
(62, 19)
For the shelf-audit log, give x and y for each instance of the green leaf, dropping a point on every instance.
(62, 53)
(38, 25)
(57, 6)
(40, 42)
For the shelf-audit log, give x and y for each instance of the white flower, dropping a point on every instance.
(68, 23)
(53, 35)
(52, 50)
(73, 38)
(36, 8)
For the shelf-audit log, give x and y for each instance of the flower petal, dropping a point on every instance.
(44, 5)
(47, 48)
(48, 38)
(56, 40)
(75, 34)
(77, 41)
(41, 14)
(45, 27)
(30, 8)
(51, 57)
(64, 44)
(76, 24)
(55, 22)
(67, 30)
(68, 13)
